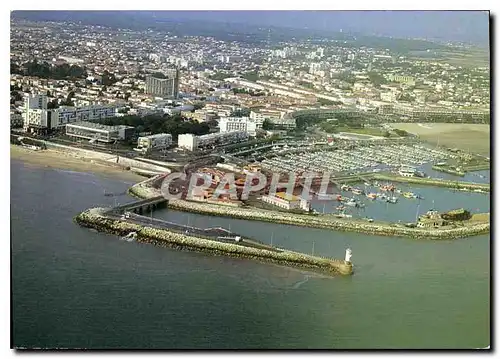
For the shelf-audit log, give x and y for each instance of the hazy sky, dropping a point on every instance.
(446, 25)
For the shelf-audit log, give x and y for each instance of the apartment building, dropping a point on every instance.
(36, 116)
(167, 87)
(276, 117)
(97, 132)
(246, 124)
(192, 142)
(409, 80)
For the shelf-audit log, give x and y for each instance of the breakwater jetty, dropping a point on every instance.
(471, 186)
(150, 188)
(329, 222)
(99, 219)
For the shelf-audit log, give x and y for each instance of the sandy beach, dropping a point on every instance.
(60, 160)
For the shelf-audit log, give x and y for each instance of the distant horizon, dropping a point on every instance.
(456, 26)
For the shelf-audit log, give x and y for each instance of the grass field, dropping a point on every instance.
(362, 131)
(469, 137)
(472, 57)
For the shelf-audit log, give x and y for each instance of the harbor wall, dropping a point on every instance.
(448, 170)
(433, 182)
(149, 188)
(95, 218)
(327, 222)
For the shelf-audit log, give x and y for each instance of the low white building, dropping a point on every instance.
(92, 131)
(159, 141)
(286, 201)
(246, 124)
(192, 142)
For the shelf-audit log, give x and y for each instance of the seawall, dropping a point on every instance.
(149, 188)
(434, 182)
(95, 218)
(328, 222)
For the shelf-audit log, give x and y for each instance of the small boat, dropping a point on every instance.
(351, 202)
(343, 215)
(367, 184)
(371, 196)
(340, 208)
(357, 191)
(345, 187)
(387, 188)
(339, 198)
(326, 197)
(392, 199)
(368, 219)
(409, 195)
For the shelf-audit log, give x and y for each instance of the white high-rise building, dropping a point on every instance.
(167, 87)
(35, 111)
(36, 102)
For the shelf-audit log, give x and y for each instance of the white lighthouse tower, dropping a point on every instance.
(348, 255)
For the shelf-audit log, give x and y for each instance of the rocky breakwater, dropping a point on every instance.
(328, 222)
(471, 186)
(96, 218)
(148, 188)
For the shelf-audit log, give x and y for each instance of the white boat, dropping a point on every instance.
(392, 199)
(352, 203)
(343, 215)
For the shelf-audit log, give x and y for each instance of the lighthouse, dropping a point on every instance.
(348, 255)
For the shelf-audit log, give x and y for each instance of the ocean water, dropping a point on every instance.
(76, 288)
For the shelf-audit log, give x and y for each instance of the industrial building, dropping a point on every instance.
(99, 133)
(167, 87)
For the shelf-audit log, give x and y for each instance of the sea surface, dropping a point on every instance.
(76, 288)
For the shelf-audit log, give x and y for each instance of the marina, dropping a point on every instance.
(358, 159)
(403, 203)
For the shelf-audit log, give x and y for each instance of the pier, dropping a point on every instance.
(141, 206)
(127, 221)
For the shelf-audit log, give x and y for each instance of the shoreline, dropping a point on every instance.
(51, 158)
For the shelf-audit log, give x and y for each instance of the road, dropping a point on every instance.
(217, 234)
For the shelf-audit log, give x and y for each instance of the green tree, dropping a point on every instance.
(267, 125)
(15, 96)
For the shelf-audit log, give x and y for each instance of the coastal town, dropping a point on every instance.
(333, 121)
